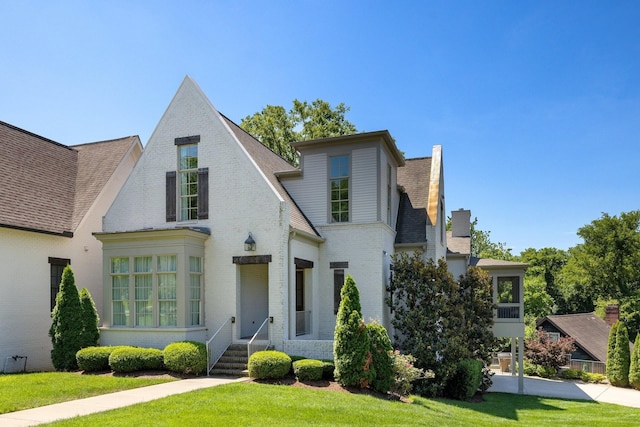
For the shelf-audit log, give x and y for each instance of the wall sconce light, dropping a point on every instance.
(270, 319)
(250, 244)
(233, 319)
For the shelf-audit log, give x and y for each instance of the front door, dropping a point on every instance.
(254, 298)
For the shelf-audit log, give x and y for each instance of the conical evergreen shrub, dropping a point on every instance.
(611, 346)
(351, 353)
(66, 327)
(90, 335)
(634, 367)
(618, 374)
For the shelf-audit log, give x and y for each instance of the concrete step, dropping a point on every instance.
(230, 372)
(230, 365)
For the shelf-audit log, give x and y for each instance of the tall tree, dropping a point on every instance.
(277, 128)
(483, 247)
(66, 327)
(546, 264)
(612, 249)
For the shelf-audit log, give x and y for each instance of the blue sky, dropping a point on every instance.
(536, 104)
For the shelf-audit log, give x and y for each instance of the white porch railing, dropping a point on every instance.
(218, 343)
(303, 322)
(262, 336)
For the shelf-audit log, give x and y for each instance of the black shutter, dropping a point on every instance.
(171, 196)
(203, 193)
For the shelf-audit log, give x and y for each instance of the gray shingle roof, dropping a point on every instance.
(48, 187)
(590, 332)
(270, 163)
(458, 245)
(412, 213)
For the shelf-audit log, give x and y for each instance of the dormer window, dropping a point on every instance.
(191, 197)
(339, 188)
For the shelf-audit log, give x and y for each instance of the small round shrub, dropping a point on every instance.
(126, 359)
(464, 382)
(269, 364)
(546, 371)
(186, 357)
(529, 368)
(589, 377)
(152, 358)
(94, 359)
(570, 374)
(308, 369)
(327, 369)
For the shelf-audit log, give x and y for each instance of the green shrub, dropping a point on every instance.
(66, 326)
(308, 369)
(295, 359)
(186, 357)
(570, 374)
(351, 353)
(90, 335)
(126, 359)
(269, 364)
(464, 382)
(634, 367)
(327, 369)
(620, 357)
(152, 358)
(546, 371)
(529, 368)
(589, 377)
(94, 359)
(380, 346)
(404, 373)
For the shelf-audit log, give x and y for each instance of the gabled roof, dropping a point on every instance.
(590, 332)
(271, 164)
(412, 223)
(48, 187)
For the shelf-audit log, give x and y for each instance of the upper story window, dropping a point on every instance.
(188, 170)
(339, 188)
(191, 197)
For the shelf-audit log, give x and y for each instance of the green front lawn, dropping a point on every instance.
(24, 391)
(246, 404)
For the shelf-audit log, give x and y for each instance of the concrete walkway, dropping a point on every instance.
(567, 389)
(105, 402)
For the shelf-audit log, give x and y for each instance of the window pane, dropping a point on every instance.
(195, 264)
(120, 265)
(168, 313)
(142, 264)
(167, 263)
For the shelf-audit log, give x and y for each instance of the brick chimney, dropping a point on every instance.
(461, 223)
(612, 313)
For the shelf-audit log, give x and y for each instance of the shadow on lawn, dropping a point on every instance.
(502, 405)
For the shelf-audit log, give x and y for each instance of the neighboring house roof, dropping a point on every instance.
(412, 223)
(271, 164)
(590, 332)
(48, 187)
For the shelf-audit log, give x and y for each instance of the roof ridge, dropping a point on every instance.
(51, 141)
(104, 141)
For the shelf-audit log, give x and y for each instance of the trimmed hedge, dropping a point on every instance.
(269, 364)
(308, 369)
(186, 357)
(465, 381)
(94, 359)
(327, 369)
(126, 359)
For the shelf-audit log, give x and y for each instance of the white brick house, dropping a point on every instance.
(214, 233)
(52, 198)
